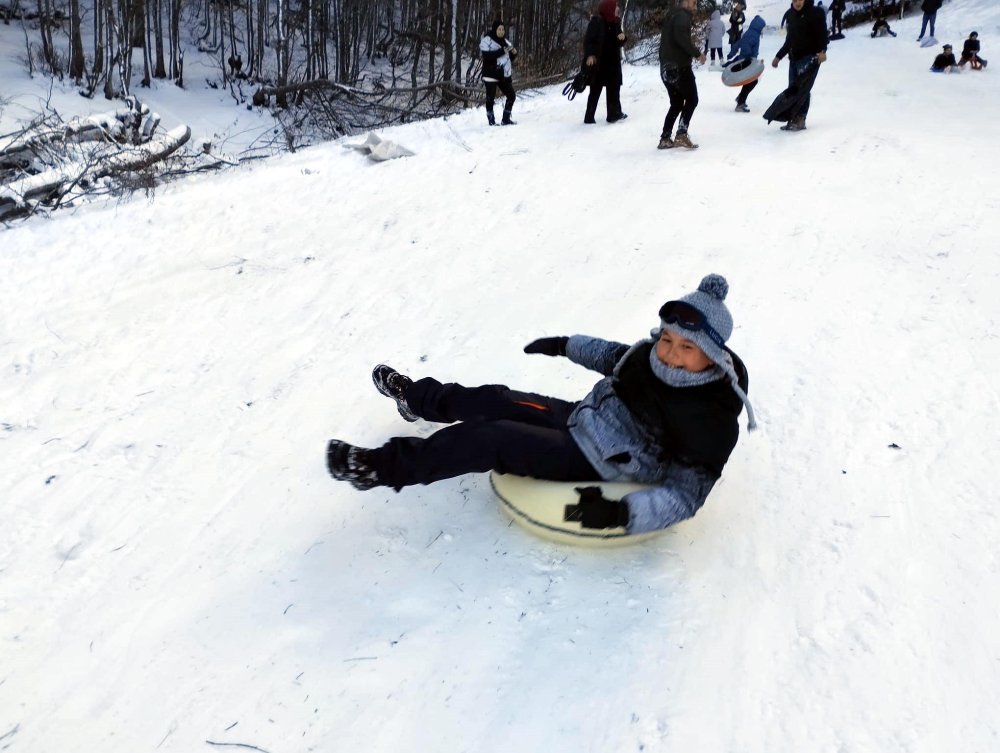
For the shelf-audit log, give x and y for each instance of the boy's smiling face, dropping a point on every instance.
(680, 353)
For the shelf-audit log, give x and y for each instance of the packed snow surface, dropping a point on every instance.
(178, 571)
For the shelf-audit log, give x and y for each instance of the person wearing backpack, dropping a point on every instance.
(498, 70)
(602, 57)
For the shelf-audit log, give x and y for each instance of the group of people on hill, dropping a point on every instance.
(806, 41)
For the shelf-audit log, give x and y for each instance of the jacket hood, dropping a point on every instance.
(757, 24)
(716, 14)
(606, 10)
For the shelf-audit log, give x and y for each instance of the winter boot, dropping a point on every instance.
(490, 116)
(345, 462)
(666, 143)
(506, 118)
(798, 123)
(620, 116)
(742, 107)
(681, 139)
(392, 384)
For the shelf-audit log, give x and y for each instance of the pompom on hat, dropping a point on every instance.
(713, 331)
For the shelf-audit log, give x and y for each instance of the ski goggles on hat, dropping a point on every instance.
(688, 317)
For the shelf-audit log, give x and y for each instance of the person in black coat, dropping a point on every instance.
(945, 61)
(930, 9)
(498, 56)
(837, 17)
(602, 57)
(736, 21)
(676, 53)
(970, 53)
(805, 44)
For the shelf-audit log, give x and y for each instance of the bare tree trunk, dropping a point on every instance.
(160, 71)
(77, 62)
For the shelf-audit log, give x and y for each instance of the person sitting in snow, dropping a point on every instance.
(881, 25)
(744, 53)
(945, 62)
(498, 70)
(665, 413)
(970, 53)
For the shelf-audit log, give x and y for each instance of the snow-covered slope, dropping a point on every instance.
(177, 570)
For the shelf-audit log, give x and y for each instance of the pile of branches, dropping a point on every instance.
(51, 163)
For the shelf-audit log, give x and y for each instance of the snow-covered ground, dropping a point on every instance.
(177, 571)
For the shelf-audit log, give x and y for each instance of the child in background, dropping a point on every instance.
(744, 52)
(970, 53)
(945, 62)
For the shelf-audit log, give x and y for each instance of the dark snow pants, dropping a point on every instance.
(498, 429)
(506, 86)
(683, 92)
(801, 78)
(741, 98)
(613, 102)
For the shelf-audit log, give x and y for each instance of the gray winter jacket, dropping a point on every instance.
(716, 28)
(619, 449)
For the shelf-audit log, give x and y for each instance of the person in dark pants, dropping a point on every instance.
(837, 17)
(676, 53)
(602, 56)
(498, 55)
(664, 413)
(970, 53)
(736, 20)
(805, 44)
(743, 53)
(930, 9)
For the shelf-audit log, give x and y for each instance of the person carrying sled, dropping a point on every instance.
(837, 8)
(665, 413)
(744, 53)
(805, 44)
(930, 9)
(945, 62)
(498, 70)
(716, 28)
(736, 20)
(970, 53)
(602, 56)
(676, 53)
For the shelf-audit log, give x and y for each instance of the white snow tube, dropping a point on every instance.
(540, 507)
(742, 72)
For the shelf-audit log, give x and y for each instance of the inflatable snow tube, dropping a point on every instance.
(742, 72)
(540, 507)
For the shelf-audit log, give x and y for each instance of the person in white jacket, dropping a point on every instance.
(498, 70)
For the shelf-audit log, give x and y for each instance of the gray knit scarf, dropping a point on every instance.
(684, 378)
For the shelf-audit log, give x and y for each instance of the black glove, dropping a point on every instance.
(595, 511)
(550, 346)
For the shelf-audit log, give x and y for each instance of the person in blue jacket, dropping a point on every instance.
(744, 52)
(664, 413)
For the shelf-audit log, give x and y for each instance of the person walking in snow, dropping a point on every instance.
(805, 44)
(744, 53)
(676, 53)
(837, 8)
(498, 70)
(736, 20)
(930, 9)
(602, 56)
(716, 29)
(970, 53)
(665, 412)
